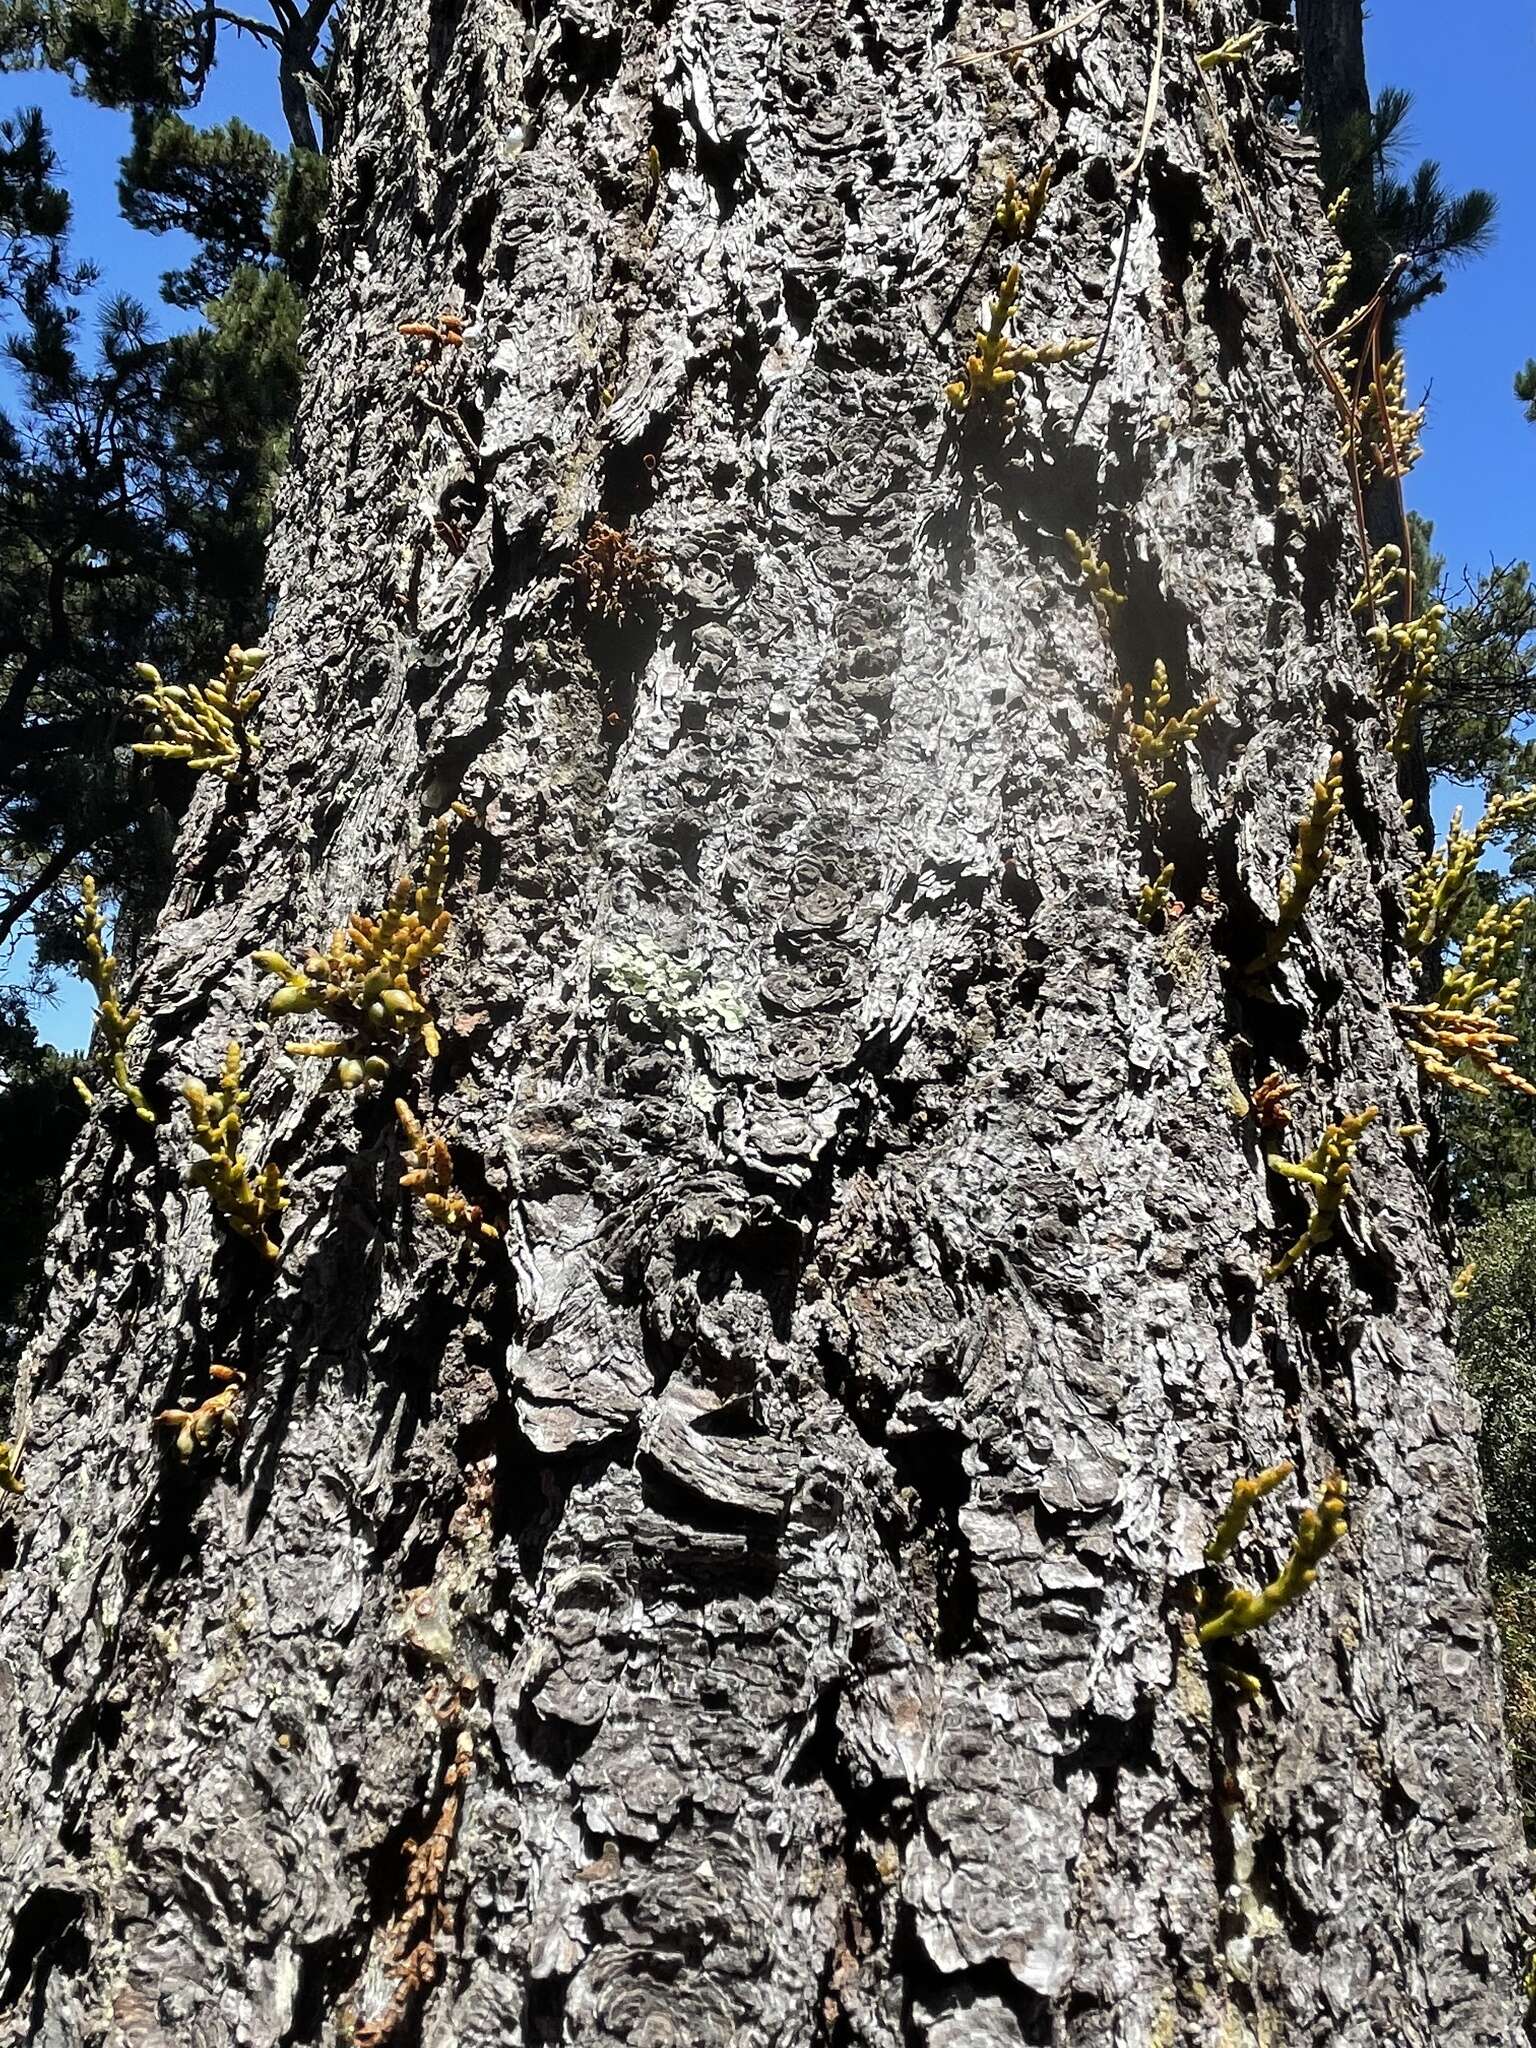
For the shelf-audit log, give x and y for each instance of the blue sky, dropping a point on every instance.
(1473, 78)
(89, 140)
(1472, 73)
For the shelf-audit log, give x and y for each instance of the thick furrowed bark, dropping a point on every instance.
(764, 1590)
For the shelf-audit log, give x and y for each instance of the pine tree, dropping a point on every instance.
(1412, 221)
(158, 57)
(764, 1593)
(34, 217)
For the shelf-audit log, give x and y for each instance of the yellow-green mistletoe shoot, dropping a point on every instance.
(248, 1206)
(113, 1022)
(368, 981)
(204, 724)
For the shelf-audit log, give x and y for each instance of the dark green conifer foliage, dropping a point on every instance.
(1415, 218)
(34, 215)
(1392, 218)
(118, 54)
(157, 55)
(217, 184)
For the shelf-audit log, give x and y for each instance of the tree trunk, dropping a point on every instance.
(1336, 108)
(1332, 38)
(755, 1600)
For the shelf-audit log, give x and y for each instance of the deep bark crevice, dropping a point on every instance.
(931, 1549)
(930, 1994)
(48, 1934)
